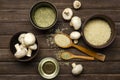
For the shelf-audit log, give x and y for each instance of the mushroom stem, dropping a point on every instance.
(66, 12)
(73, 65)
(77, 4)
(29, 53)
(75, 41)
(17, 47)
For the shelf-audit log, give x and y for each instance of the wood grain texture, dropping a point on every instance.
(69, 77)
(65, 67)
(15, 27)
(14, 17)
(86, 4)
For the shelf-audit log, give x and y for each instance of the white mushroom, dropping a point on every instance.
(29, 39)
(75, 41)
(20, 51)
(67, 13)
(33, 47)
(76, 4)
(75, 35)
(29, 53)
(75, 22)
(21, 38)
(77, 69)
(22, 46)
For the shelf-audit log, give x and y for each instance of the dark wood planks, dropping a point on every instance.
(14, 17)
(15, 27)
(65, 68)
(68, 77)
(89, 4)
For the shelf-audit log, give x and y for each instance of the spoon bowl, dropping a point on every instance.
(62, 40)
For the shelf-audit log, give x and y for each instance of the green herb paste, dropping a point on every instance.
(44, 16)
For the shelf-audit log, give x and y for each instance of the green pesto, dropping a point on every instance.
(44, 16)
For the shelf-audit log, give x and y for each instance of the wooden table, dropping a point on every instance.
(14, 17)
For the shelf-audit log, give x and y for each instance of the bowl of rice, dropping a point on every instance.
(98, 31)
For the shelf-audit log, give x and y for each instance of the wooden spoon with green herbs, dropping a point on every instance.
(68, 55)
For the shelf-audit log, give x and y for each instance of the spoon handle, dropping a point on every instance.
(84, 57)
(98, 56)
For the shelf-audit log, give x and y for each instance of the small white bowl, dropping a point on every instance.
(41, 71)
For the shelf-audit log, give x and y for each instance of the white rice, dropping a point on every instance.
(97, 32)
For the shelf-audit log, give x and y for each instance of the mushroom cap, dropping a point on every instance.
(33, 47)
(77, 69)
(21, 50)
(67, 13)
(76, 22)
(75, 35)
(76, 4)
(29, 39)
(20, 54)
(21, 37)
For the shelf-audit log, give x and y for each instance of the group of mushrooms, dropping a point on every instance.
(26, 45)
(75, 22)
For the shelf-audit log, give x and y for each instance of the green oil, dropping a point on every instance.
(49, 67)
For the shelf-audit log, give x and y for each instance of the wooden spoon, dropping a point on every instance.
(63, 41)
(68, 55)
